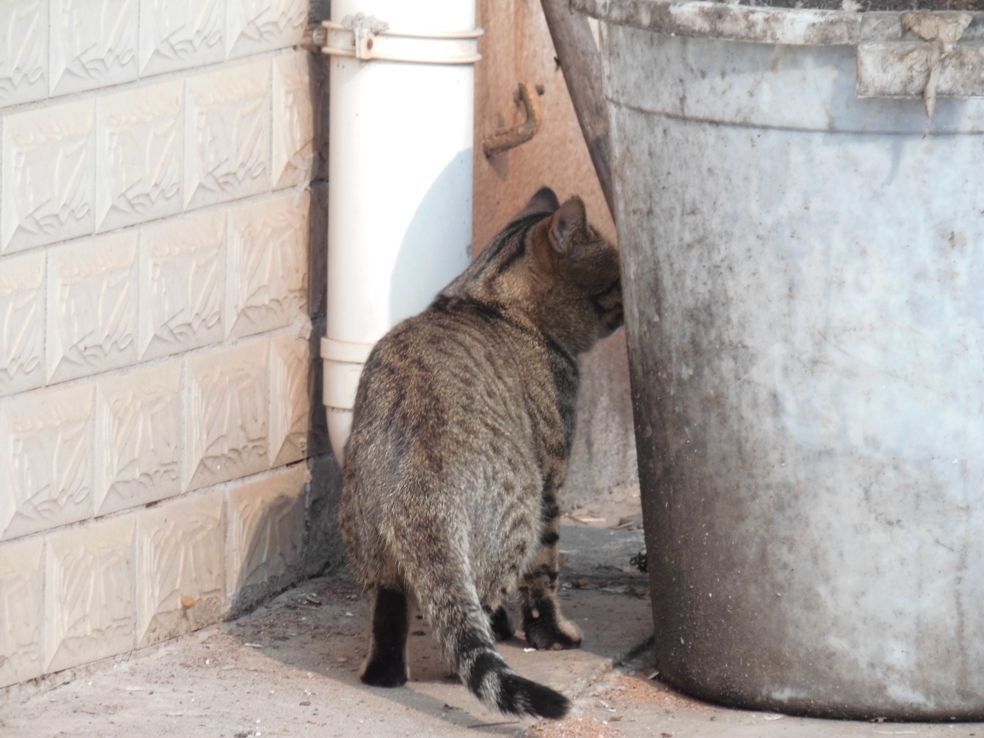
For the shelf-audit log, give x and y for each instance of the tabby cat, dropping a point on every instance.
(462, 427)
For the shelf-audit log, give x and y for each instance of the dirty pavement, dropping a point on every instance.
(290, 669)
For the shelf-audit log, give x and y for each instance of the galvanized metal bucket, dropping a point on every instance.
(800, 204)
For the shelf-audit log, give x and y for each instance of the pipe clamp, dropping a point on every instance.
(367, 39)
(345, 351)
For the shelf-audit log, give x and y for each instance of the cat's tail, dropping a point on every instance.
(486, 674)
(445, 592)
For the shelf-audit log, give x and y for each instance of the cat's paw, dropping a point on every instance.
(547, 629)
(384, 673)
(502, 627)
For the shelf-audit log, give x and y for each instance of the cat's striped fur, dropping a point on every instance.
(462, 426)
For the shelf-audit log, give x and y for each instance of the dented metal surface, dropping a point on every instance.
(804, 291)
(900, 53)
(799, 26)
(904, 69)
(939, 64)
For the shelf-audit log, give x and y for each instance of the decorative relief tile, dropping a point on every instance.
(93, 44)
(290, 398)
(226, 415)
(89, 593)
(268, 245)
(23, 51)
(176, 34)
(92, 305)
(21, 603)
(180, 567)
(227, 155)
(138, 454)
(182, 283)
(266, 528)
(293, 120)
(46, 457)
(21, 322)
(138, 155)
(46, 175)
(261, 25)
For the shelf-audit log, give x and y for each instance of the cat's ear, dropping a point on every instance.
(569, 220)
(543, 202)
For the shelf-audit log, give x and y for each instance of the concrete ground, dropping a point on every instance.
(289, 669)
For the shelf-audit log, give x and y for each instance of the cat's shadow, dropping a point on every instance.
(328, 639)
(319, 631)
(435, 248)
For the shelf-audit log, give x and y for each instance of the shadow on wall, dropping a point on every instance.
(278, 538)
(427, 261)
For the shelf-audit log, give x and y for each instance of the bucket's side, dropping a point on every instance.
(804, 285)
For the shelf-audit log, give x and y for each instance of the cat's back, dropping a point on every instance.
(443, 425)
(445, 380)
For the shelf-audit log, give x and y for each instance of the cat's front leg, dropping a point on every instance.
(543, 623)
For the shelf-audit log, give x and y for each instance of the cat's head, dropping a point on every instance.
(552, 264)
(584, 270)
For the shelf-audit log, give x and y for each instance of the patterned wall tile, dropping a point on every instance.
(138, 427)
(266, 528)
(92, 305)
(176, 34)
(226, 415)
(293, 120)
(180, 567)
(268, 283)
(93, 44)
(23, 51)
(21, 322)
(89, 584)
(182, 283)
(227, 155)
(138, 155)
(46, 175)
(46, 456)
(290, 398)
(261, 25)
(21, 601)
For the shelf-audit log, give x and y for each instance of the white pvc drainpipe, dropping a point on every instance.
(400, 174)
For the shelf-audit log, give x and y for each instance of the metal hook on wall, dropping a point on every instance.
(510, 138)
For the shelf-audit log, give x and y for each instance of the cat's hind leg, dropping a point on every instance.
(502, 627)
(441, 577)
(386, 664)
(544, 625)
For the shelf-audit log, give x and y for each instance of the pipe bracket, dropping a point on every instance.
(343, 367)
(367, 38)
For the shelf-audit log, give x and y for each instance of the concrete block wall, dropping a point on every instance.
(159, 294)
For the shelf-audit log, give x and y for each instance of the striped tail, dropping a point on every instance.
(488, 677)
(440, 576)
